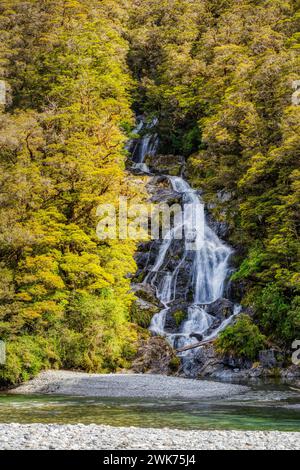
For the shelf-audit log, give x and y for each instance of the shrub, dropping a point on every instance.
(243, 339)
(277, 317)
(26, 357)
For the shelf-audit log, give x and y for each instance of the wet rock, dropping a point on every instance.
(145, 258)
(155, 356)
(268, 359)
(141, 259)
(176, 315)
(166, 196)
(145, 292)
(221, 229)
(236, 290)
(221, 309)
(166, 164)
(197, 336)
(144, 247)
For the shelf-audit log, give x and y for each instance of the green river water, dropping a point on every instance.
(263, 408)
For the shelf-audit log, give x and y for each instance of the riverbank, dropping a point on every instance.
(125, 385)
(77, 437)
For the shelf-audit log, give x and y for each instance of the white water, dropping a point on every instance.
(207, 253)
(148, 144)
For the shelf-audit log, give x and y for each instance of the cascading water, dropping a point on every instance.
(146, 146)
(207, 256)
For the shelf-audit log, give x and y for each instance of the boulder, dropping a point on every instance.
(176, 315)
(197, 336)
(268, 359)
(201, 362)
(155, 356)
(142, 312)
(166, 164)
(146, 293)
(166, 196)
(221, 309)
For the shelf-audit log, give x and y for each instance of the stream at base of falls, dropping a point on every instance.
(202, 263)
(263, 408)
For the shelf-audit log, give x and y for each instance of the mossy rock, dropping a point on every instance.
(166, 164)
(155, 356)
(179, 317)
(142, 313)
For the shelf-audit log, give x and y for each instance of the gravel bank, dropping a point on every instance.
(40, 436)
(125, 385)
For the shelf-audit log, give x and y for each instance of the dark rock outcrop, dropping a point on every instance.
(269, 359)
(175, 316)
(173, 165)
(166, 196)
(221, 229)
(221, 309)
(146, 292)
(155, 356)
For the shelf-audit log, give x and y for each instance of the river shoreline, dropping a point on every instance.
(125, 385)
(117, 436)
(93, 437)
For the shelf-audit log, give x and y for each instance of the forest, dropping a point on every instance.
(218, 75)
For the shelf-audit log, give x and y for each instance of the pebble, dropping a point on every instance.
(126, 385)
(94, 437)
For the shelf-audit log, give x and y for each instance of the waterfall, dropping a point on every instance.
(207, 254)
(147, 145)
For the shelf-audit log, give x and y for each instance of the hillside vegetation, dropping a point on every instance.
(64, 294)
(218, 75)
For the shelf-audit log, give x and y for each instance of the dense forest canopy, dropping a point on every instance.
(64, 295)
(219, 76)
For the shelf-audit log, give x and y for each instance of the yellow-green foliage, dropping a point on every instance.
(64, 294)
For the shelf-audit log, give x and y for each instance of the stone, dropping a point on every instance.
(221, 309)
(221, 229)
(155, 356)
(166, 164)
(197, 336)
(166, 196)
(268, 359)
(175, 316)
(145, 292)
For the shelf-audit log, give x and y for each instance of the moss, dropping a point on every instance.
(174, 364)
(275, 373)
(139, 279)
(179, 317)
(142, 316)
